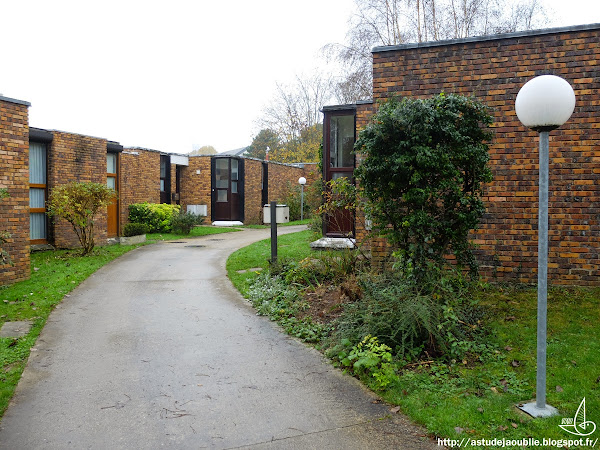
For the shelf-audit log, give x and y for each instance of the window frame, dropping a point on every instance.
(44, 186)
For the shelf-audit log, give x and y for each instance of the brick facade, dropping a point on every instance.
(75, 157)
(253, 189)
(14, 176)
(493, 69)
(139, 179)
(196, 187)
(282, 178)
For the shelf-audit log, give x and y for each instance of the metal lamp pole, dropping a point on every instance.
(543, 104)
(302, 182)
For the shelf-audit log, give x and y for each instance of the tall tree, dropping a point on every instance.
(304, 148)
(296, 106)
(265, 138)
(204, 150)
(394, 22)
(294, 115)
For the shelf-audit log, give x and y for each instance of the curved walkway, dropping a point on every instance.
(158, 350)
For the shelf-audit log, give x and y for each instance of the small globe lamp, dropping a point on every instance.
(302, 182)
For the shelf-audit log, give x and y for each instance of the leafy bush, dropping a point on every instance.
(184, 222)
(134, 229)
(78, 203)
(414, 317)
(319, 268)
(368, 359)
(425, 162)
(157, 216)
(312, 199)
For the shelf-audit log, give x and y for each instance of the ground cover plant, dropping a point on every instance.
(458, 366)
(53, 275)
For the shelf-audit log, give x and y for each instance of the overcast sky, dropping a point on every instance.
(172, 75)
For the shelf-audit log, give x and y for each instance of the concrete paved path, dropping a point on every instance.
(158, 350)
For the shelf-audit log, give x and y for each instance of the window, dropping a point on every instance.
(163, 173)
(38, 228)
(341, 141)
(111, 170)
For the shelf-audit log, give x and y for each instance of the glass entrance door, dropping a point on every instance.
(339, 163)
(227, 189)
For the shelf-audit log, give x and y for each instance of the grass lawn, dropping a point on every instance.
(292, 246)
(198, 231)
(476, 398)
(53, 275)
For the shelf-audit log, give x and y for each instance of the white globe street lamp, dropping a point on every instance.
(302, 182)
(543, 104)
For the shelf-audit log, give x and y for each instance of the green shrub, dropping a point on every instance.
(413, 317)
(425, 163)
(78, 203)
(183, 223)
(312, 199)
(134, 229)
(322, 267)
(158, 217)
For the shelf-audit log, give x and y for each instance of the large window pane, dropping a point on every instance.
(111, 163)
(222, 173)
(37, 198)
(37, 226)
(37, 163)
(341, 141)
(234, 169)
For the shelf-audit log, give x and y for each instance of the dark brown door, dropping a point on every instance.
(112, 219)
(227, 201)
(165, 179)
(339, 163)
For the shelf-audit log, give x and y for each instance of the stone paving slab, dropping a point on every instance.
(15, 329)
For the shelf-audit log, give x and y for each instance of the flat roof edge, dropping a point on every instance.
(489, 37)
(14, 100)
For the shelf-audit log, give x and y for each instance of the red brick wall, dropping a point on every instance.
(253, 191)
(494, 70)
(195, 187)
(74, 157)
(14, 176)
(139, 178)
(282, 177)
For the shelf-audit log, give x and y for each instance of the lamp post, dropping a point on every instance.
(543, 104)
(302, 182)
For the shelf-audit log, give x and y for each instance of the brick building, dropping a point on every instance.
(34, 161)
(220, 187)
(493, 69)
(14, 177)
